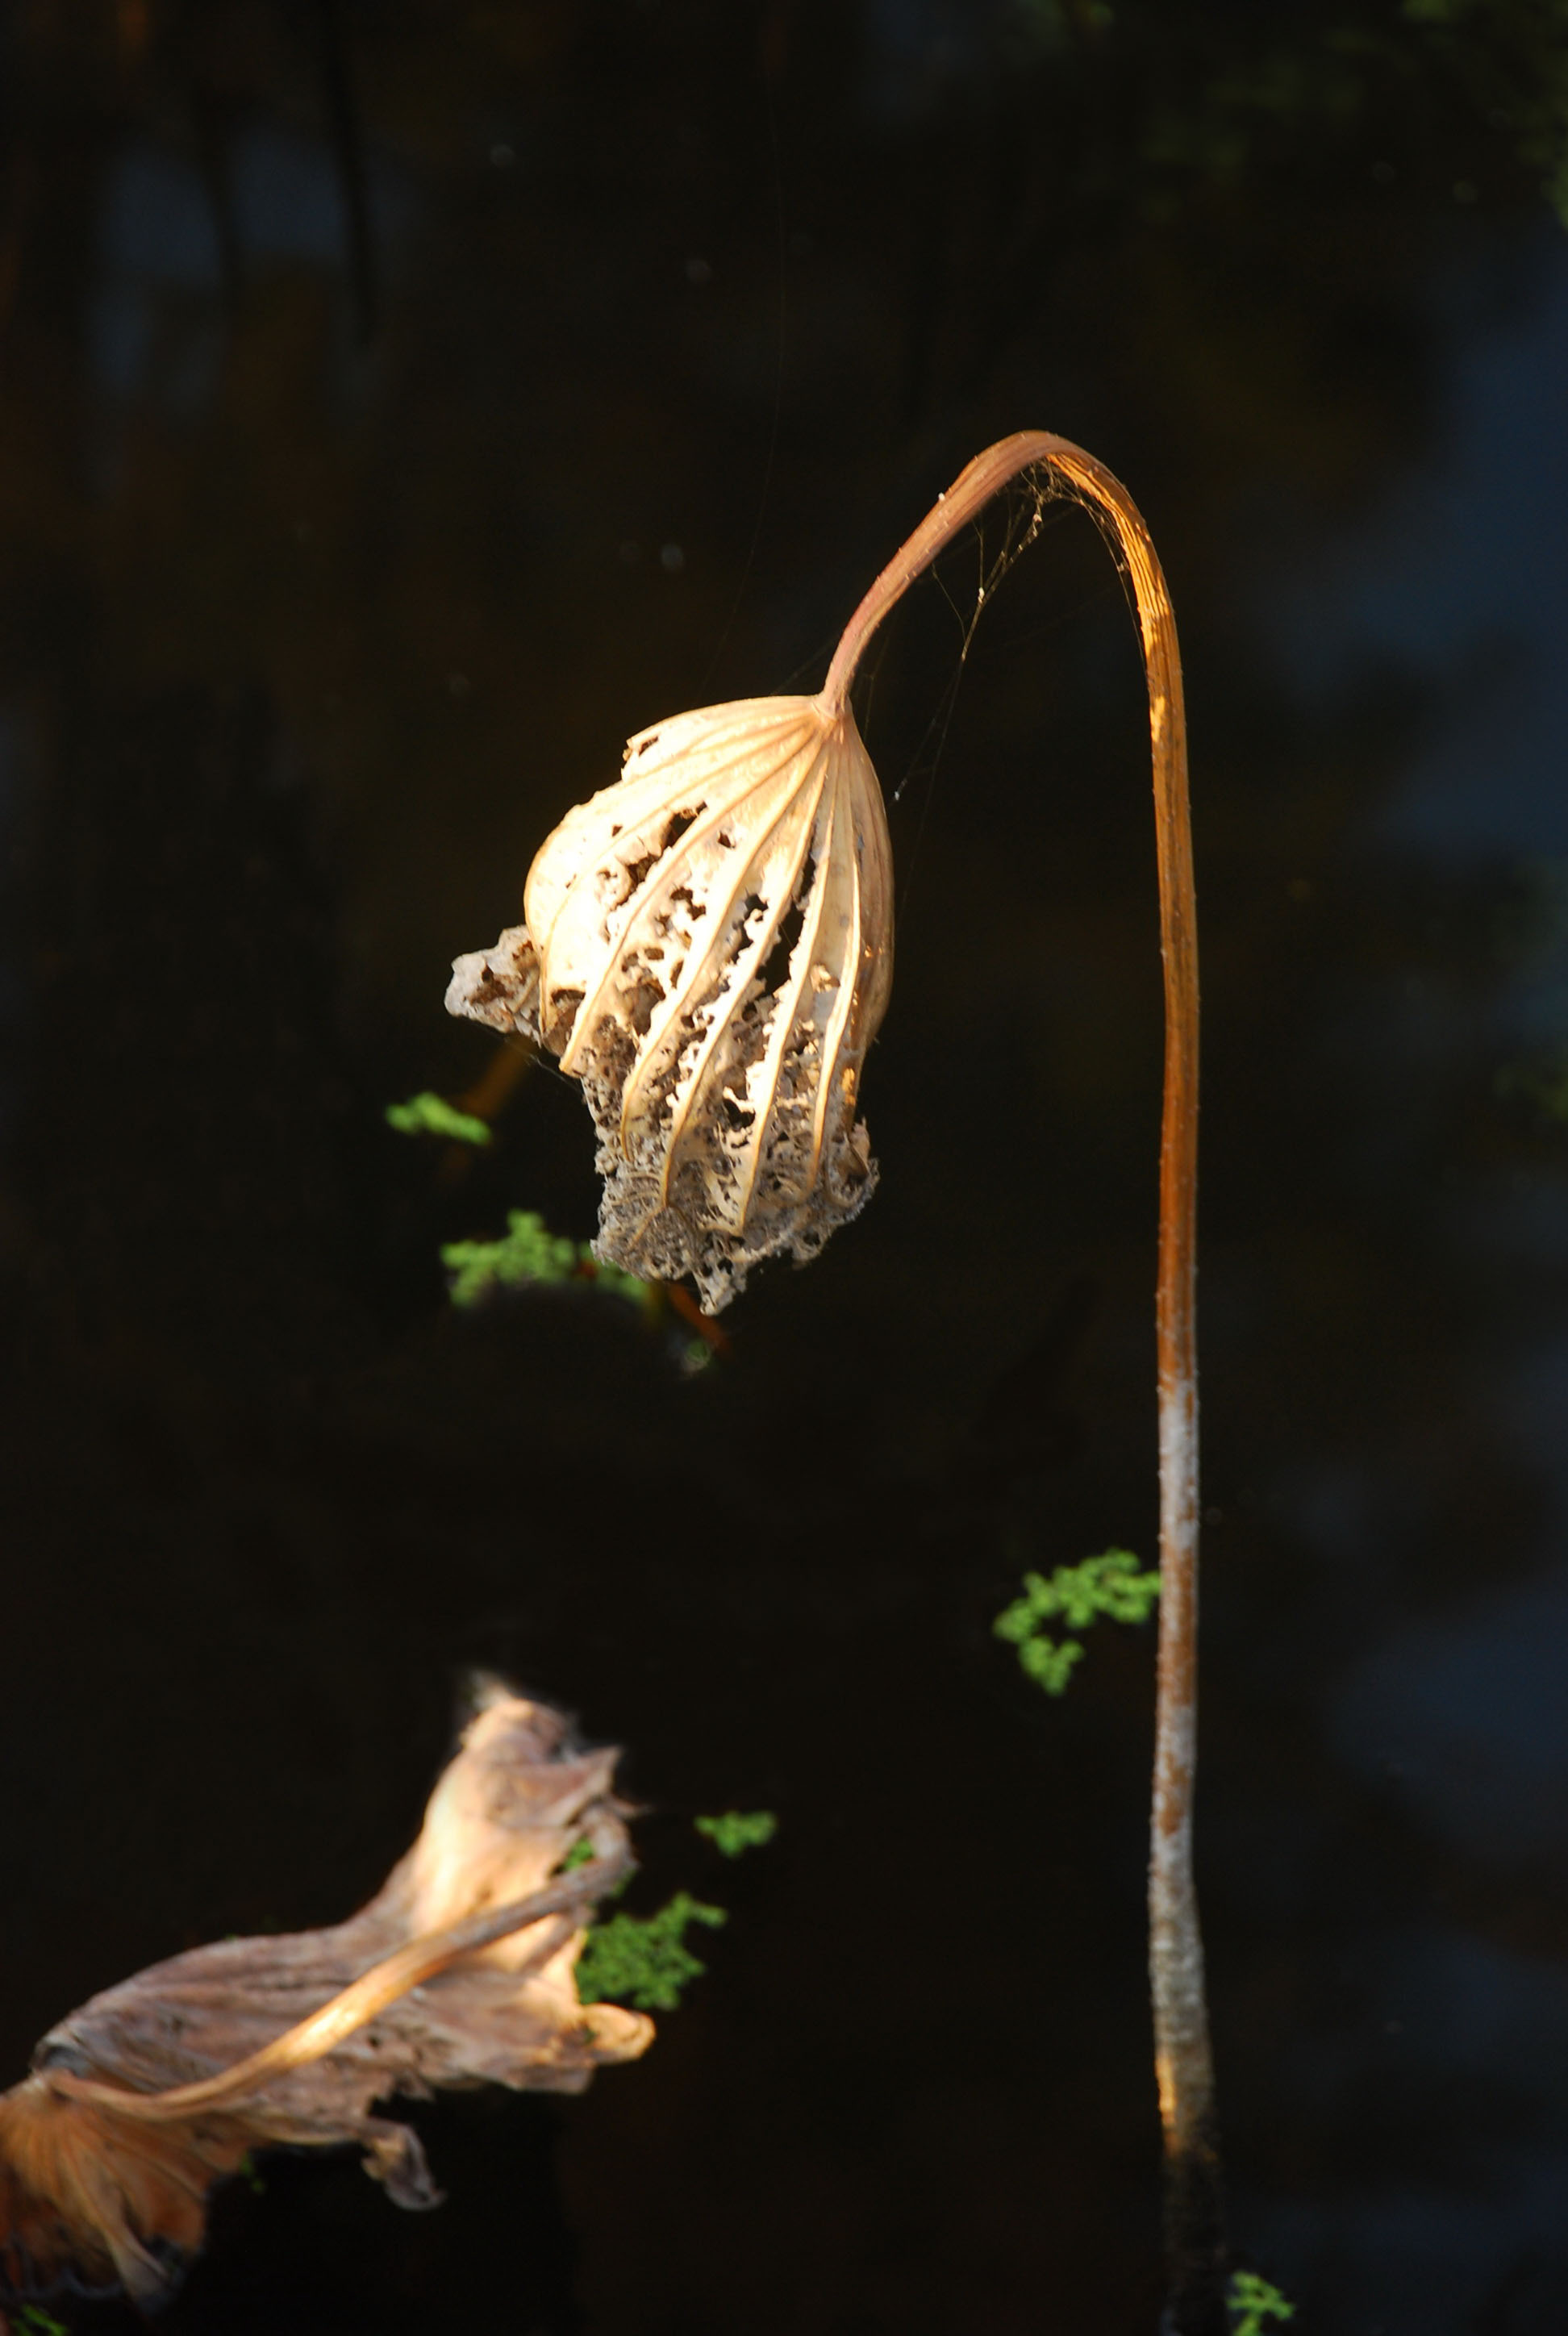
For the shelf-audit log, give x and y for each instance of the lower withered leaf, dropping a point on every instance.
(458, 1972)
(708, 948)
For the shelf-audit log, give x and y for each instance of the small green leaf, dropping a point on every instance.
(737, 1830)
(526, 1253)
(1050, 1666)
(1252, 2300)
(1018, 1621)
(1111, 1584)
(432, 1114)
(33, 2322)
(643, 1960)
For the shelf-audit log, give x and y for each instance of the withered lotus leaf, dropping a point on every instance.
(707, 945)
(458, 1972)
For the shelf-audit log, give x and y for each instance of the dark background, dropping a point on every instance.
(401, 404)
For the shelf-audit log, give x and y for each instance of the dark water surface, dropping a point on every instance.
(400, 406)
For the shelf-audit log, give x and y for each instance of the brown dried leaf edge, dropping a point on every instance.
(458, 1972)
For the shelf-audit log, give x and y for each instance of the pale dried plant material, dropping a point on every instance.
(458, 1972)
(1183, 2067)
(675, 1073)
(707, 945)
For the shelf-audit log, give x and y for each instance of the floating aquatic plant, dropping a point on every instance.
(1254, 2300)
(707, 945)
(1112, 1584)
(431, 1115)
(643, 1959)
(528, 1253)
(738, 1830)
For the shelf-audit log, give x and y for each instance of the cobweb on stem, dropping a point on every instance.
(1022, 515)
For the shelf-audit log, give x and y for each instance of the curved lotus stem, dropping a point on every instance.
(1184, 2066)
(420, 1959)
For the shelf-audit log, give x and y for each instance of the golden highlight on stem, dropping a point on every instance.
(1182, 2054)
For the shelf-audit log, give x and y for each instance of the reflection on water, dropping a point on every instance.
(308, 641)
(1454, 1719)
(178, 245)
(1462, 1720)
(1452, 574)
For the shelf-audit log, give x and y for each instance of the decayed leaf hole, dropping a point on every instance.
(708, 948)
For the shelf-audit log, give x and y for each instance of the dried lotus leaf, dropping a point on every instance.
(708, 948)
(458, 1972)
